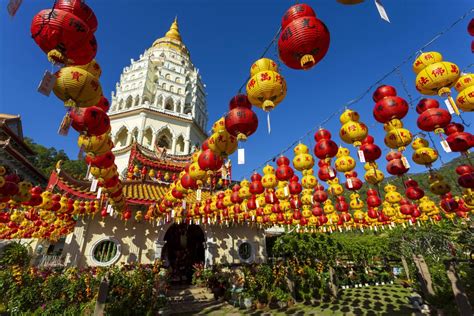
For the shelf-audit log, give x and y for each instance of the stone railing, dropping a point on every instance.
(46, 261)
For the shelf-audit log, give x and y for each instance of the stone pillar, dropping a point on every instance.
(159, 245)
(173, 146)
(153, 141)
(186, 146)
(129, 138)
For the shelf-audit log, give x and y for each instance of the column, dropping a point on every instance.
(129, 138)
(173, 146)
(159, 245)
(153, 141)
(186, 146)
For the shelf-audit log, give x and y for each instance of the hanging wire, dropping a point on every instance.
(372, 86)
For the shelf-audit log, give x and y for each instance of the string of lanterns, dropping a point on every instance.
(66, 34)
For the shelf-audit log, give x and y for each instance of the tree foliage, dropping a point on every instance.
(46, 159)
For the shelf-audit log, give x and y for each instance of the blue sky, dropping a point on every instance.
(225, 38)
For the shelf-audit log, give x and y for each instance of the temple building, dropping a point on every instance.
(158, 118)
(15, 154)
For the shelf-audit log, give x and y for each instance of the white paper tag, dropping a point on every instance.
(361, 155)
(405, 162)
(198, 194)
(331, 172)
(47, 83)
(286, 191)
(172, 213)
(449, 106)
(349, 183)
(445, 146)
(381, 9)
(183, 205)
(257, 204)
(109, 209)
(241, 156)
(94, 184)
(99, 193)
(268, 123)
(13, 6)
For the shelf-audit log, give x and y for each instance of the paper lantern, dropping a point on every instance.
(208, 160)
(284, 172)
(423, 154)
(304, 39)
(432, 118)
(325, 148)
(458, 140)
(352, 131)
(64, 37)
(302, 160)
(371, 151)
(92, 120)
(96, 145)
(397, 137)
(388, 105)
(241, 121)
(103, 161)
(80, 9)
(223, 144)
(465, 87)
(396, 166)
(266, 87)
(77, 87)
(435, 76)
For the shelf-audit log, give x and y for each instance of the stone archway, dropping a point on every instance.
(182, 246)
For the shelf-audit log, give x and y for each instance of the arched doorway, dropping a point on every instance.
(184, 247)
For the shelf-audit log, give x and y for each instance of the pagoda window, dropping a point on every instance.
(163, 86)
(137, 100)
(121, 138)
(179, 91)
(167, 76)
(172, 88)
(169, 105)
(178, 80)
(180, 144)
(164, 139)
(148, 137)
(128, 103)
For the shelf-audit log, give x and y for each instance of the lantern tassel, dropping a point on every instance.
(268, 123)
(307, 61)
(447, 92)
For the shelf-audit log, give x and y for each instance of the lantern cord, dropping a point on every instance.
(50, 15)
(372, 86)
(263, 55)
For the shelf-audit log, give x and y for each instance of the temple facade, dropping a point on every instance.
(158, 118)
(159, 102)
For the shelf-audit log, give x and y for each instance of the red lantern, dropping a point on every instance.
(325, 148)
(395, 165)
(319, 194)
(466, 176)
(371, 151)
(413, 192)
(353, 183)
(295, 187)
(208, 160)
(241, 121)
(458, 139)
(284, 172)
(80, 9)
(187, 182)
(64, 37)
(304, 39)
(256, 186)
(101, 161)
(389, 106)
(432, 118)
(341, 204)
(103, 104)
(326, 172)
(235, 198)
(92, 120)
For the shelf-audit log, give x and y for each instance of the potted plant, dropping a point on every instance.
(262, 299)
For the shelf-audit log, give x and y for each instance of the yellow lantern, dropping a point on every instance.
(435, 76)
(97, 145)
(344, 162)
(77, 87)
(219, 126)
(437, 184)
(307, 197)
(328, 208)
(397, 137)
(302, 160)
(356, 202)
(465, 87)
(423, 154)
(244, 191)
(391, 194)
(334, 187)
(308, 181)
(222, 143)
(196, 173)
(372, 174)
(352, 131)
(269, 180)
(266, 87)
(92, 67)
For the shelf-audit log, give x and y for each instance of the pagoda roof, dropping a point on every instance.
(136, 192)
(158, 159)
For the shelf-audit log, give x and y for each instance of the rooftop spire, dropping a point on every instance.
(173, 32)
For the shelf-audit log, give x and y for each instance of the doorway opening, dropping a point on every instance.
(184, 247)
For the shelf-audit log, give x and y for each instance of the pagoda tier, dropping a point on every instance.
(137, 192)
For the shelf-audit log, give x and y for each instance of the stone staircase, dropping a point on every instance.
(189, 300)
